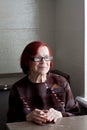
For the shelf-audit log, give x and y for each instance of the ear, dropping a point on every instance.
(51, 64)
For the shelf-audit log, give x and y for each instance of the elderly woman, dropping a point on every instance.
(40, 96)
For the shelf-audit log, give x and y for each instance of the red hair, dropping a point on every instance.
(31, 50)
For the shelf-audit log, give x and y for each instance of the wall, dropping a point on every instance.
(85, 50)
(22, 21)
(70, 41)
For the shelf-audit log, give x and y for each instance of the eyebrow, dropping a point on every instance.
(42, 56)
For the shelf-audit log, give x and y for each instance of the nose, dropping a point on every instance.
(42, 59)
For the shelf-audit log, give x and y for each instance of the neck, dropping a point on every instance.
(37, 78)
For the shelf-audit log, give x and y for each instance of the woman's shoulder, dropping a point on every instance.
(21, 82)
(58, 79)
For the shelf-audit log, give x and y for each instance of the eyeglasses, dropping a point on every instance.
(38, 59)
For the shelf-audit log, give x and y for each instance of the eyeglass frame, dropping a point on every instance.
(39, 58)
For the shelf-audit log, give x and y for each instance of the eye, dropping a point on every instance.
(48, 58)
(37, 58)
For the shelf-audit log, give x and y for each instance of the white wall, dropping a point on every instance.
(22, 21)
(70, 41)
(85, 6)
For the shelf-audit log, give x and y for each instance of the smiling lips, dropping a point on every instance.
(42, 67)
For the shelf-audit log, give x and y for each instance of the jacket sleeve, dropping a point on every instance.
(71, 106)
(15, 107)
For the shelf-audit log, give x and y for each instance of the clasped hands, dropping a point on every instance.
(43, 116)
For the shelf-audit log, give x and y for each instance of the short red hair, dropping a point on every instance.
(31, 50)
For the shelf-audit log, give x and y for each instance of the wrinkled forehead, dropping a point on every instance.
(43, 51)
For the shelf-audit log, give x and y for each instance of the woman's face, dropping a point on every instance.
(42, 66)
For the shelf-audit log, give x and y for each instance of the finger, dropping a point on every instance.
(55, 119)
(37, 111)
(59, 119)
(45, 111)
(40, 112)
(50, 116)
(39, 118)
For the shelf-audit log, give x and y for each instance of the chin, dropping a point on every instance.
(43, 72)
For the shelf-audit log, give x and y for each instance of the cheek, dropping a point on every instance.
(33, 66)
(49, 66)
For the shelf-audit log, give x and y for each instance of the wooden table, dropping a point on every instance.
(66, 123)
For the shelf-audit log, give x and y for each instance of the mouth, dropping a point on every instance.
(42, 67)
